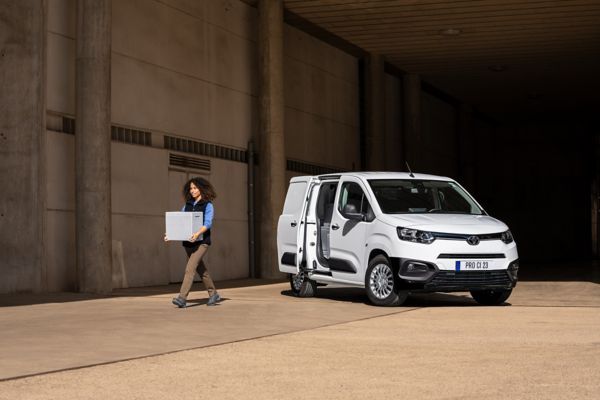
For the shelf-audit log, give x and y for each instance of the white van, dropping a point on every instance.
(393, 233)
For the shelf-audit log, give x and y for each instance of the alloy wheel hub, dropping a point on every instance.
(381, 281)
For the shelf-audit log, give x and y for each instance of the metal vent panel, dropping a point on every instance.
(310, 169)
(205, 149)
(131, 136)
(178, 160)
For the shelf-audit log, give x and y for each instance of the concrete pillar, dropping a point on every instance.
(22, 145)
(412, 121)
(375, 102)
(272, 164)
(92, 146)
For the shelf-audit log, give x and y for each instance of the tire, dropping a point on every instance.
(492, 297)
(381, 284)
(302, 286)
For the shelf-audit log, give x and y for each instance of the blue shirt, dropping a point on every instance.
(209, 212)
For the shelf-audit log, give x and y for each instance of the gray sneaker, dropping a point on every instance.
(179, 302)
(213, 300)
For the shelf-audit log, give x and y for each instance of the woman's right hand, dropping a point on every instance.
(166, 238)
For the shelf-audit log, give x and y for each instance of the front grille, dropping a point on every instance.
(468, 279)
(461, 236)
(471, 256)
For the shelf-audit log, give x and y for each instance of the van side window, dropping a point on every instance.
(353, 198)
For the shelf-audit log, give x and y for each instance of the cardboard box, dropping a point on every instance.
(182, 225)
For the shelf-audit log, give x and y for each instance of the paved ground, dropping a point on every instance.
(263, 343)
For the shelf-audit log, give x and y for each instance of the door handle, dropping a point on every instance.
(294, 223)
(335, 227)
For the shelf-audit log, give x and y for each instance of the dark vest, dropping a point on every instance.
(200, 206)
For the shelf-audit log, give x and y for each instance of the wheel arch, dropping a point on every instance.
(375, 252)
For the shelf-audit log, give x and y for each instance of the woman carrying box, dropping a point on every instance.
(199, 194)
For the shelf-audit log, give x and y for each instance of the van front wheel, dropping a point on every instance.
(302, 286)
(380, 283)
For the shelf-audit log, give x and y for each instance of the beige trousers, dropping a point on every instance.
(195, 264)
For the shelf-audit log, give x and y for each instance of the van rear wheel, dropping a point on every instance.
(381, 285)
(302, 286)
(491, 297)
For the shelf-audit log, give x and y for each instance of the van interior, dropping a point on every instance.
(324, 213)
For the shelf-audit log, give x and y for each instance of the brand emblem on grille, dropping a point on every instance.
(473, 240)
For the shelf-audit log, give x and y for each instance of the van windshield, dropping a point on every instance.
(402, 196)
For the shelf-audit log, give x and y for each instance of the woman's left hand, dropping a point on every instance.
(195, 237)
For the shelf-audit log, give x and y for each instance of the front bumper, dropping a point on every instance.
(418, 275)
(459, 281)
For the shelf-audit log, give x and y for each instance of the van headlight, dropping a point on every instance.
(507, 237)
(414, 235)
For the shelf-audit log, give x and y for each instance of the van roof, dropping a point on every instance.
(385, 175)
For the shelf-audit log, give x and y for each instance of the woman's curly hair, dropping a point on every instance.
(206, 189)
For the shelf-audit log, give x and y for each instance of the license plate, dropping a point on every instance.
(472, 265)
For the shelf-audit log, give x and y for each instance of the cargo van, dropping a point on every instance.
(393, 234)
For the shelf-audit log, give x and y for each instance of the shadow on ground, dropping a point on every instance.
(25, 299)
(571, 272)
(357, 295)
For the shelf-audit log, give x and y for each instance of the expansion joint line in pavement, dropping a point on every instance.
(543, 306)
(204, 347)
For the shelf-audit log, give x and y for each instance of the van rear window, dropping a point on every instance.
(295, 198)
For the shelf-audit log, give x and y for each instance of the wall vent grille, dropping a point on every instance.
(130, 136)
(144, 138)
(117, 133)
(310, 169)
(68, 125)
(177, 160)
(205, 149)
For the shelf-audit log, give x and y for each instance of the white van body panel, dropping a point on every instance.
(290, 227)
(339, 249)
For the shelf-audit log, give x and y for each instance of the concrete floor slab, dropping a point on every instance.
(262, 343)
(60, 335)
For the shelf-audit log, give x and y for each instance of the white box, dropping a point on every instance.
(181, 225)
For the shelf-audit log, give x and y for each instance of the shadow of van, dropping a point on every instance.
(358, 295)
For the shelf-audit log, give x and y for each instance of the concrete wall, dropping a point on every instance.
(60, 229)
(187, 69)
(321, 97)
(182, 68)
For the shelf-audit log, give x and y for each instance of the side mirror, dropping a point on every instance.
(352, 213)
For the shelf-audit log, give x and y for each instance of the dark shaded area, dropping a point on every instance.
(529, 272)
(536, 176)
(202, 302)
(561, 272)
(26, 299)
(554, 272)
(538, 173)
(358, 295)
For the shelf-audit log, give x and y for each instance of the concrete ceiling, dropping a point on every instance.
(501, 56)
